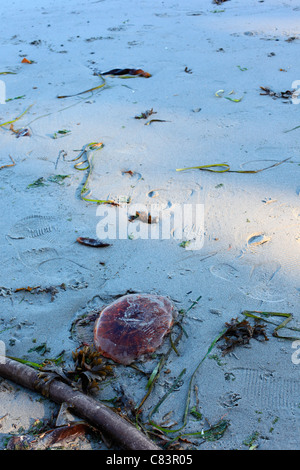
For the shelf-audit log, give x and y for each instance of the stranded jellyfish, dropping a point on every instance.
(132, 326)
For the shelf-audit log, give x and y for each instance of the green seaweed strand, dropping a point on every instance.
(87, 154)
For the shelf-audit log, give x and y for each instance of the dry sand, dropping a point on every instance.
(237, 46)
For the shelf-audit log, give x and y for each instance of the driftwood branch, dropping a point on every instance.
(109, 423)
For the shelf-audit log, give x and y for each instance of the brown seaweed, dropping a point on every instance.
(146, 114)
(291, 39)
(90, 368)
(121, 72)
(92, 242)
(52, 290)
(282, 94)
(239, 333)
(143, 217)
(41, 437)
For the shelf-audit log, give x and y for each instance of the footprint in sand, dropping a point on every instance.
(195, 13)
(36, 226)
(62, 267)
(32, 258)
(37, 239)
(225, 271)
(264, 283)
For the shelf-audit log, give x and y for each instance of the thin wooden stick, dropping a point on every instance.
(8, 166)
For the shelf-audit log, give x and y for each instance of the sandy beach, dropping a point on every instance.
(207, 109)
